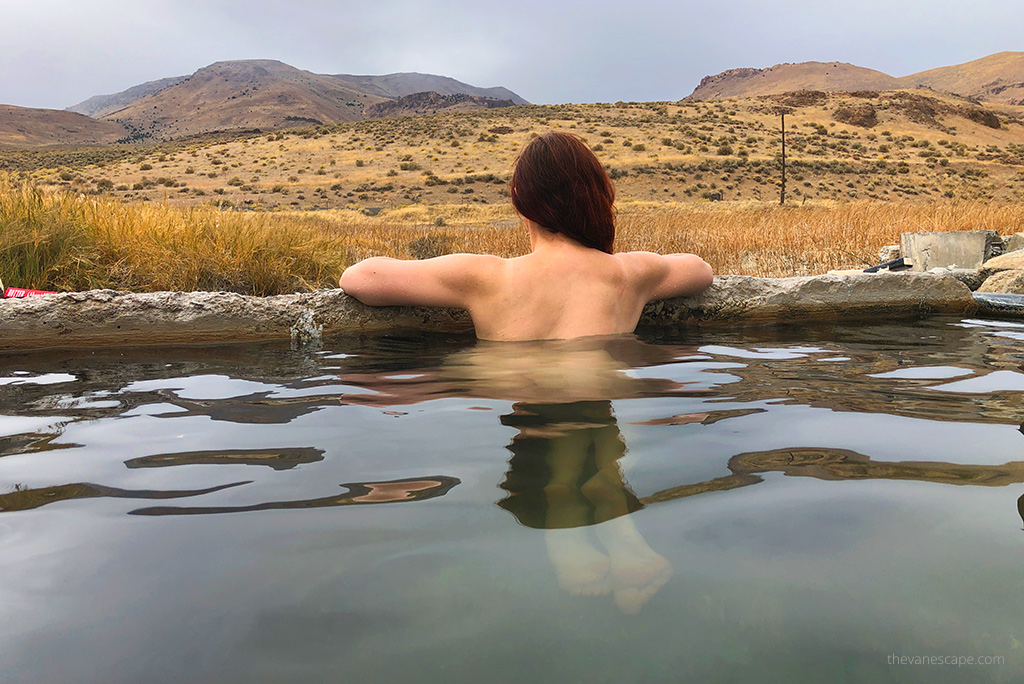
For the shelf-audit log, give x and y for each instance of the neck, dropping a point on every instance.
(542, 240)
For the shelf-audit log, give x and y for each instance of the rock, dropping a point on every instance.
(1005, 282)
(862, 114)
(888, 253)
(1011, 243)
(1000, 305)
(110, 318)
(971, 277)
(871, 296)
(1010, 261)
(953, 249)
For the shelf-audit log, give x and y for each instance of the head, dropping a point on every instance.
(560, 185)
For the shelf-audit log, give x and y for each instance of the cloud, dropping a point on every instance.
(60, 52)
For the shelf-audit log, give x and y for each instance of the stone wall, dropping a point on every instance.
(109, 318)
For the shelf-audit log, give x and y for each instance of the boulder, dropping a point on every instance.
(110, 318)
(1010, 261)
(999, 305)
(971, 277)
(1005, 282)
(888, 253)
(1012, 243)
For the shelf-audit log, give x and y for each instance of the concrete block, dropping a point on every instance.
(957, 249)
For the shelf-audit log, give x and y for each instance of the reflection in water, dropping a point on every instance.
(564, 475)
(359, 493)
(278, 459)
(842, 464)
(22, 499)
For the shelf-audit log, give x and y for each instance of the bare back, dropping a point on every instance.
(556, 296)
(560, 290)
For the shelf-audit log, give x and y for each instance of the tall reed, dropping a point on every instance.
(63, 241)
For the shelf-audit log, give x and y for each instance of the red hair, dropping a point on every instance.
(559, 184)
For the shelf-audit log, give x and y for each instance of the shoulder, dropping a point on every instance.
(643, 264)
(661, 276)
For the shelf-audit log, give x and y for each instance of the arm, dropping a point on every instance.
(671, 275)
(450, 280)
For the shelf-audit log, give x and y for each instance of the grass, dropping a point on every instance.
(664, 152)
(64, 241)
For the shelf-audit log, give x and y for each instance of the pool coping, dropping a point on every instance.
(109, 318)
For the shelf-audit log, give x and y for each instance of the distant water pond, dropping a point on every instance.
(799, 503)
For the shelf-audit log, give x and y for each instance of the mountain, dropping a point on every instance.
(99, 105)
(998, 78)
(27, 127)
(242, 94)
(399, 85)
(783, 78)
(431, 103)
(267, 94)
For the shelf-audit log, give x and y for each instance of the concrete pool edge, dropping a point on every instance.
(108, 318)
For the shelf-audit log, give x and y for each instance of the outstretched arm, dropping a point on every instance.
(450, 280)
(664, 276)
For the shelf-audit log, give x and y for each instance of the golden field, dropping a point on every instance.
(920, 148)
(286, 211)
(64, 241)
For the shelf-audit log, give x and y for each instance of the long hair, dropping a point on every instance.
(560, 185)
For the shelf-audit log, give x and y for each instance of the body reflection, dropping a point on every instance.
(563, 476)
(564, 473)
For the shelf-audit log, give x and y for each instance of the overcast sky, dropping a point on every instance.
(55, 53)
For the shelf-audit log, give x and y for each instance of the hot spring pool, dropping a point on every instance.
(777, 504)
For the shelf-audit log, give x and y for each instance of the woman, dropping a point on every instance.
(570, 285)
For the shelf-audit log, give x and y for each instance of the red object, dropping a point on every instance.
(18, 292)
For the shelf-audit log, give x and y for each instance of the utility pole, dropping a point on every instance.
(782, 194)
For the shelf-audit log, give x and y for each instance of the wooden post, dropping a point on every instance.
(782, 194)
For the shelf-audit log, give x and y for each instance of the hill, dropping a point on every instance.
(432, 103)
(99, 105)
(28, 127)
(400, 85)
(998, 78)
(265, 94)
(783, 78)
(881, 146)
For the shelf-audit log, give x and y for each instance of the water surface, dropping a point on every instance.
(774, 504)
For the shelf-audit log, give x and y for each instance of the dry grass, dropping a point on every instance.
(63, 241)
(775, 241)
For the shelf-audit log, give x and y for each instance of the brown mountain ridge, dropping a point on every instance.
(268, 94)
(997, 79)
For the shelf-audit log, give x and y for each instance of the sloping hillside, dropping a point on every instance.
(879, 146)
(27, 127)
(783, 78)
(264, 94)
(432, 103)
(267, 94)
(399, 85)
(100, 105)
(996, 78)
